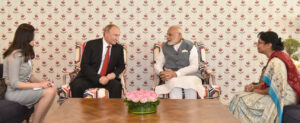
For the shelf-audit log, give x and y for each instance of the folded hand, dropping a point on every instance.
(167, 74)
(249, 88)
(103, 80)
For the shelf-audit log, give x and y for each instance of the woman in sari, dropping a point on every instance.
(279, 85)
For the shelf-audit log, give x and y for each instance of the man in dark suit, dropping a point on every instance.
(102, 62)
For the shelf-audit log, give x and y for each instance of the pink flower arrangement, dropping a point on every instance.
(142, 96)
(142, 101)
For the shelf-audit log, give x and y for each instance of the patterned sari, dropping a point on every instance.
(250, 107)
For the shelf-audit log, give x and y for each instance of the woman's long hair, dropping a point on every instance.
(23, 36)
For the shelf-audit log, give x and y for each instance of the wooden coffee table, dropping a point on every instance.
(77, 110)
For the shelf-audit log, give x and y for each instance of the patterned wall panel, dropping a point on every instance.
(228, 28)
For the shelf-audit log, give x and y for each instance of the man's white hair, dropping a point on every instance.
(178, 28)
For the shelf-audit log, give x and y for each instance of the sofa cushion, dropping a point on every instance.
(12, 112)
(291, 114)
(96, 93)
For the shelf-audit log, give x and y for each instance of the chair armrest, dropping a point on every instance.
(70, 76)
(156, 80)
(67, 79)
(122, 76)
(212, 78)
(156, 49)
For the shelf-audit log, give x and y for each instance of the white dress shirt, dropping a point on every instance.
(104, 49)
(193, 67)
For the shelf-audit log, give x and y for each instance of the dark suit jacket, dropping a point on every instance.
(91, 60)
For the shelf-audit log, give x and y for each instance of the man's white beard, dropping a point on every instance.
(172, 43)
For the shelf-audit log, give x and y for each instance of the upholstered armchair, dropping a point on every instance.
(65, 91)
(208, 78)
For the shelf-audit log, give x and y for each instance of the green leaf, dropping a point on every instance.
(291, 46)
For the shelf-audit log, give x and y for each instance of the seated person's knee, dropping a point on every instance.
(50, 91)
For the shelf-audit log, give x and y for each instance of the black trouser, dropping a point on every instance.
(79, 85)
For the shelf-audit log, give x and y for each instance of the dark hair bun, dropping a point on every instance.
(278, 45)
(272, 37)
